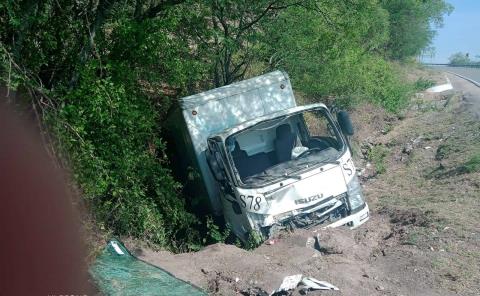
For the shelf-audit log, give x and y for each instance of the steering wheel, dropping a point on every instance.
(310, 150)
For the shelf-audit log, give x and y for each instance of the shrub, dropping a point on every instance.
(423, 84)
(111, 137)
(214, 233)
(377, 155)
(254, 240)
(473, 164)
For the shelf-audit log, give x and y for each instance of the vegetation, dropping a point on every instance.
(377, 155)
(412, 25)
(214, 233)
(423, 84)
(473, 164)
(104, 73)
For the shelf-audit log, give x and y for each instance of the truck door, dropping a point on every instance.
(231, 208)
(216, 162)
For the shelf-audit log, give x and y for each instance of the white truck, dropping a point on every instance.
(265, 163)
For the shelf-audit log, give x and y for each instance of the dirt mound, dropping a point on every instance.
(365, 261)
(411, 216)
(339, 256)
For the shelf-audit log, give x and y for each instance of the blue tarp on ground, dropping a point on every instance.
(117, 272)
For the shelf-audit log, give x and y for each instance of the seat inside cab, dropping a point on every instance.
(256, 150)
(267, 144)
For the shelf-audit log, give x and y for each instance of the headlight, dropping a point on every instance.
(355, 196)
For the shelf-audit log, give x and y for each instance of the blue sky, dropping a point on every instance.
(461, 31)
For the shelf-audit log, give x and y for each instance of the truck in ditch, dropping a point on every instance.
(265, 163)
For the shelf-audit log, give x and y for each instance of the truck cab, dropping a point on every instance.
(285, 170)
(265, 163)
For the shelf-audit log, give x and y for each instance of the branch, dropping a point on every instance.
(242, 74)
(325, 16)
(257, 19)
(30, 80)
(138, 9)
(316, 7)
(238, 66)
(269, 8)
(153, 11)
(101, 13)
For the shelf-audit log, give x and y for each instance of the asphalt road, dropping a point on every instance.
(472, 73)
(470, 92)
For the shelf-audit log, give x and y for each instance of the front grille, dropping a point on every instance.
(308, 220)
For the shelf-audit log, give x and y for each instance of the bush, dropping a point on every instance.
(382, 84)
(111, 137)
(214, 233)
(377, 155)
(324, 64)
(473, 164)
(423, 84)
(362, 78)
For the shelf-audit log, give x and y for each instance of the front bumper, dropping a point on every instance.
(353, 220)
(331, 216)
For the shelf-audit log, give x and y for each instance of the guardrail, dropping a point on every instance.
(450, 65)
(466, 78)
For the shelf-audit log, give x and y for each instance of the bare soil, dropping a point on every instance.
(423, 237)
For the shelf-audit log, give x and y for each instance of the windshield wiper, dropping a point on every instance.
(326, 161)
(307, 152)
(285, 175)
(266, 175)
(297, 177)
(308, 164)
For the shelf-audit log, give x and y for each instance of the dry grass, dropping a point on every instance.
(439, 177)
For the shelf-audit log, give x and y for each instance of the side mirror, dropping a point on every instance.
(345, 123)
(214, 166)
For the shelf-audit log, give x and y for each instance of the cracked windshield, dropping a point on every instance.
(284, 146)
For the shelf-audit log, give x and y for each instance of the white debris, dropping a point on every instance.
(117, 248)
(441, 87)
(310, 242)
(292, 281)
(271, 242)
(380, 288)
(289, 283)
(314, 284)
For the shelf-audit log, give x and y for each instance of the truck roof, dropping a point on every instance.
(232, 89)
(229, 131)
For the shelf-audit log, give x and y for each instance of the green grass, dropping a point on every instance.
(423, 84)
(412, 239)
(377, 155)
(473, 164)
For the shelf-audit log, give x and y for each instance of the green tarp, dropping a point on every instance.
(117, 272)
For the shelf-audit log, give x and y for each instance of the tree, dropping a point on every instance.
(232, 31)
(334, 52)
(108, 68)
(459, 58)
(412, 25)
